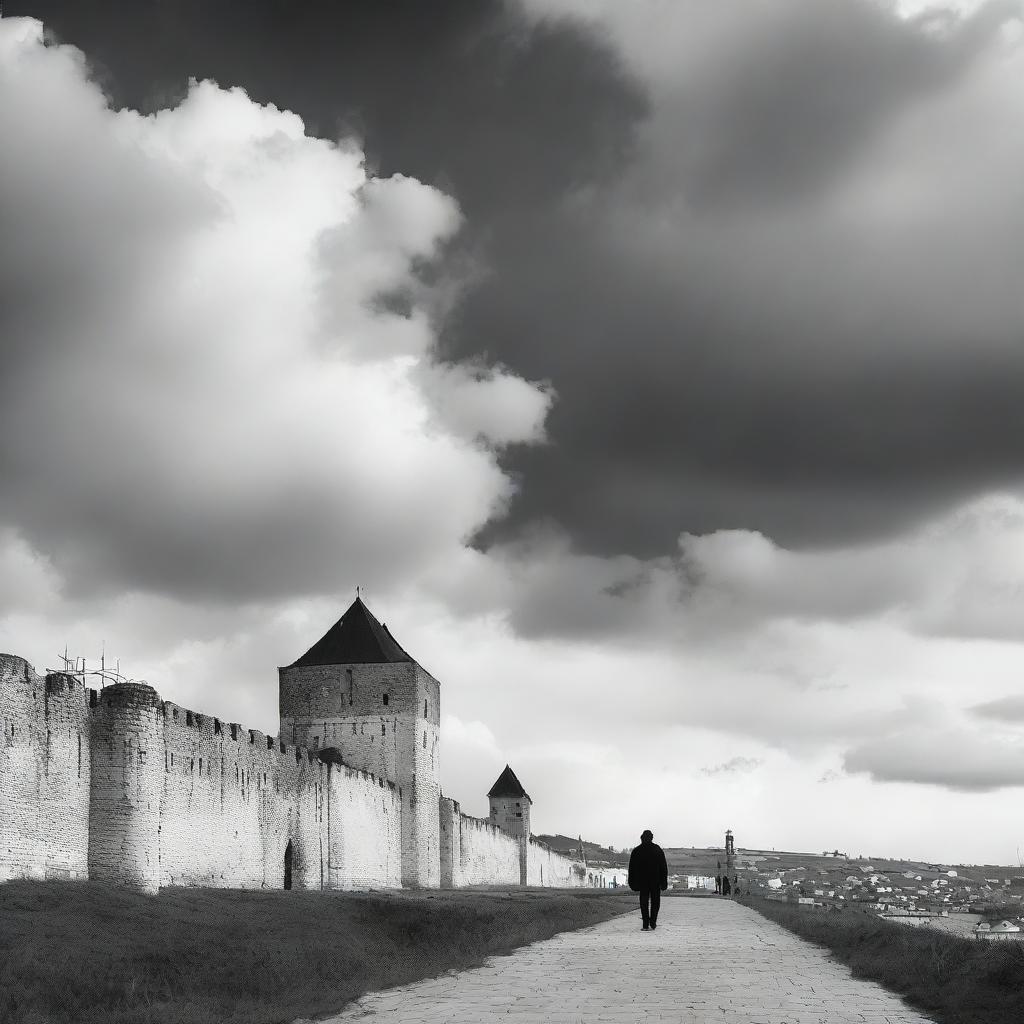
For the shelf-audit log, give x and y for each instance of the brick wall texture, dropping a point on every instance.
(118, 784)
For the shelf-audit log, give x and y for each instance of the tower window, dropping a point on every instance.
(351, 686)
(383, 729)
(424, 739)
(424, 709)
(385, 700)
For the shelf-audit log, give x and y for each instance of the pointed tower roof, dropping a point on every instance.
(508, 785)
(357, 638)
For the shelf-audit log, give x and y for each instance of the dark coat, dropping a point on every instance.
(648, 868)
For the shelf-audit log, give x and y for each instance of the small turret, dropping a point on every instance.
(510, 811)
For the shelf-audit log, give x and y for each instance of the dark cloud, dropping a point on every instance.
(466, 95)
(770, 281)
(750, 332)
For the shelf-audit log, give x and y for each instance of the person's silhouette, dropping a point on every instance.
(648, 875)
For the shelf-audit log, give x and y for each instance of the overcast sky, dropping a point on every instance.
(656, 368)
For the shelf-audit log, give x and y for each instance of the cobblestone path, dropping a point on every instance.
(709, 961)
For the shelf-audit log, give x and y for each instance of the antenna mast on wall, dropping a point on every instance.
(79, 668)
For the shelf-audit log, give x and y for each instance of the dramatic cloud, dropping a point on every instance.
(751, 246)
(202, 394)
(793, 312)
(716, 301)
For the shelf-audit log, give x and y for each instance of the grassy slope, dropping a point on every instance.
(86, 952)
(955, 980)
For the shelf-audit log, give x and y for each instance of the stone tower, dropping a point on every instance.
(730, 866)
(127, 753)
(510, 811)
(357, 691)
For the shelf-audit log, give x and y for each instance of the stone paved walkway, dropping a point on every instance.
(709, 961)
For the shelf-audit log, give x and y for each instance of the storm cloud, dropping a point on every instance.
(655, 363)
(764, 254)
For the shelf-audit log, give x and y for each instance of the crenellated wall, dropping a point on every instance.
(247, 795)
(474, 851)
(118, 784)
(44, 773)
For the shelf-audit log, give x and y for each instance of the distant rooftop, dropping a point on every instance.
(508, 785)
(357, 638)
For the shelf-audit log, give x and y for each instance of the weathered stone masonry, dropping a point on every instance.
(118, 784)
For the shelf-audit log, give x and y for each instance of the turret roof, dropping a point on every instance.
(508, 785)
(357, 638)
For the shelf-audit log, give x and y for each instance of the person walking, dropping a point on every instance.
(726, 886)
(648, 875)
(718, 880)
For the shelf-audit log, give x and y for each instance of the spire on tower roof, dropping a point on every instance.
(357, 638)
(508, 785)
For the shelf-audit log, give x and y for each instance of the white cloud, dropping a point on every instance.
(204, 394)
(476, 734)
(958, 575)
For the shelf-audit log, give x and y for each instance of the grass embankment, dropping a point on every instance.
(954, 979)
(84, 952)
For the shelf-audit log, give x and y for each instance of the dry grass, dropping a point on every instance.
(86, 953)
(953, 979)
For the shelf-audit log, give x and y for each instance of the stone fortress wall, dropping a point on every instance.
(118, 784)
(45, 775)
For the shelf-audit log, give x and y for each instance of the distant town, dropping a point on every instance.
(980, 900)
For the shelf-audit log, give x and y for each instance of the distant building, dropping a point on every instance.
(1004, 930)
